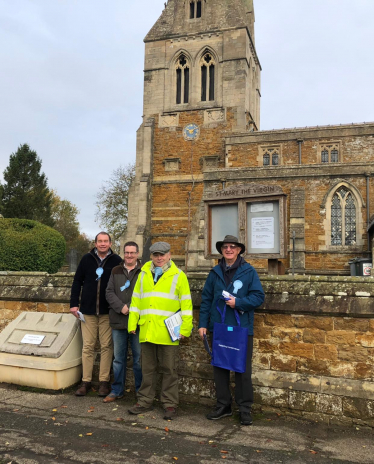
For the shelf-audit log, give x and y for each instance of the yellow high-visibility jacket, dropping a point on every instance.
(152, 303)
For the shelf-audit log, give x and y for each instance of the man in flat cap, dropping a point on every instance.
(160, 291)
(234, 275)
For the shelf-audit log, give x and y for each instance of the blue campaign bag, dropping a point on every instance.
(229, 344)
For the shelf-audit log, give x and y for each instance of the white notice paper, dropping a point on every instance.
(263, 233)
(33, 339)
(173, 324)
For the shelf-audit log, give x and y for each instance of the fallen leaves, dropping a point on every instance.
(54, 410)
(119, 419)
(166, 429)
(175, 458)
(313, 452)
(53, 418)
(89, 434)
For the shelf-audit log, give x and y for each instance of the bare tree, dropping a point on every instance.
(112, 201)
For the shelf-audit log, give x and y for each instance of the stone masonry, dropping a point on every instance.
(174, 175)
(314, 342)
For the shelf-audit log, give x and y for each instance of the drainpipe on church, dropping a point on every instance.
(367, 174)
(300, 141)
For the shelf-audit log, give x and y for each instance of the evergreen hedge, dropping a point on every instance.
(27, 245)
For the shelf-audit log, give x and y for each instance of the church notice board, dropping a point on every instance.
(254, 213)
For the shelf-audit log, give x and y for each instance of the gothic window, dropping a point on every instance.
(271, 157)
(343, 218)
(207, 77)
(330, 152)
(195, 9)
(325, 156)
(183, 80)
(334, 156)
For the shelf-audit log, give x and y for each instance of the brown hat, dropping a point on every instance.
(230, 239)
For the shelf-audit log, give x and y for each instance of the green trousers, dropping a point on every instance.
(165, 358)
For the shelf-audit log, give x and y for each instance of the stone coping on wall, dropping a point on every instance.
(337, 386)
(318, 295)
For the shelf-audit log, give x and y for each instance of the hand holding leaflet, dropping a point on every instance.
(173, 324)
(81, 316)
(227, 295)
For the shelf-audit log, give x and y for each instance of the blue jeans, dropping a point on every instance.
(121, 341)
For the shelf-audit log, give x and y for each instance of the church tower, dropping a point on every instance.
(201, 84)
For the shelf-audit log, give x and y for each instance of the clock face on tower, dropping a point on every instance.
(191, 132)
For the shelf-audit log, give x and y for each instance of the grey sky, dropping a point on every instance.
(71, 79)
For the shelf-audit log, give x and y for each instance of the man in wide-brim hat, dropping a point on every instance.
(241, 280)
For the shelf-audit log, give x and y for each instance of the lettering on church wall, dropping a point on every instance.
(249, 190)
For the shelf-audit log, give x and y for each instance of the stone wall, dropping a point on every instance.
(314, 342)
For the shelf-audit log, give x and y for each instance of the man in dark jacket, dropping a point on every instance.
(118, 294)
(234, 275)
(91, 278)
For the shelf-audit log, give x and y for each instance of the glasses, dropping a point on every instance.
(229, 247)
(131, 253)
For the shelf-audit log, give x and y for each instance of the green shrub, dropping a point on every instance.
(27, 245)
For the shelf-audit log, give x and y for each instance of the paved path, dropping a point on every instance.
(42, 428)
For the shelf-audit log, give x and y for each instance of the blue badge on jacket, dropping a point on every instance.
(99, 272)
(238, 284)
(127, 285)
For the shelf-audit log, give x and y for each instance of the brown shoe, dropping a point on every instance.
(137, 409)
(170, 413)
(104, 388)
(83, 389)
(112, 397)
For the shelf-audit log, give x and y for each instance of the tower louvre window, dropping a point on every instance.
(192, 10)
(198, 9)
(207, 77)
(195, 9)
(183, 80)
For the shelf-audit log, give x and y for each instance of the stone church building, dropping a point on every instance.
(299, 198)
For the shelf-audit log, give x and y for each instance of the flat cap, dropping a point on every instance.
(160, 247)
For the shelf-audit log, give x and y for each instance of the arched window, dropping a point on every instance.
(325, 156)
(183, 80)
(195, 9)
(330, 152)
(207, 77)
(271, 157)
(343, 218)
